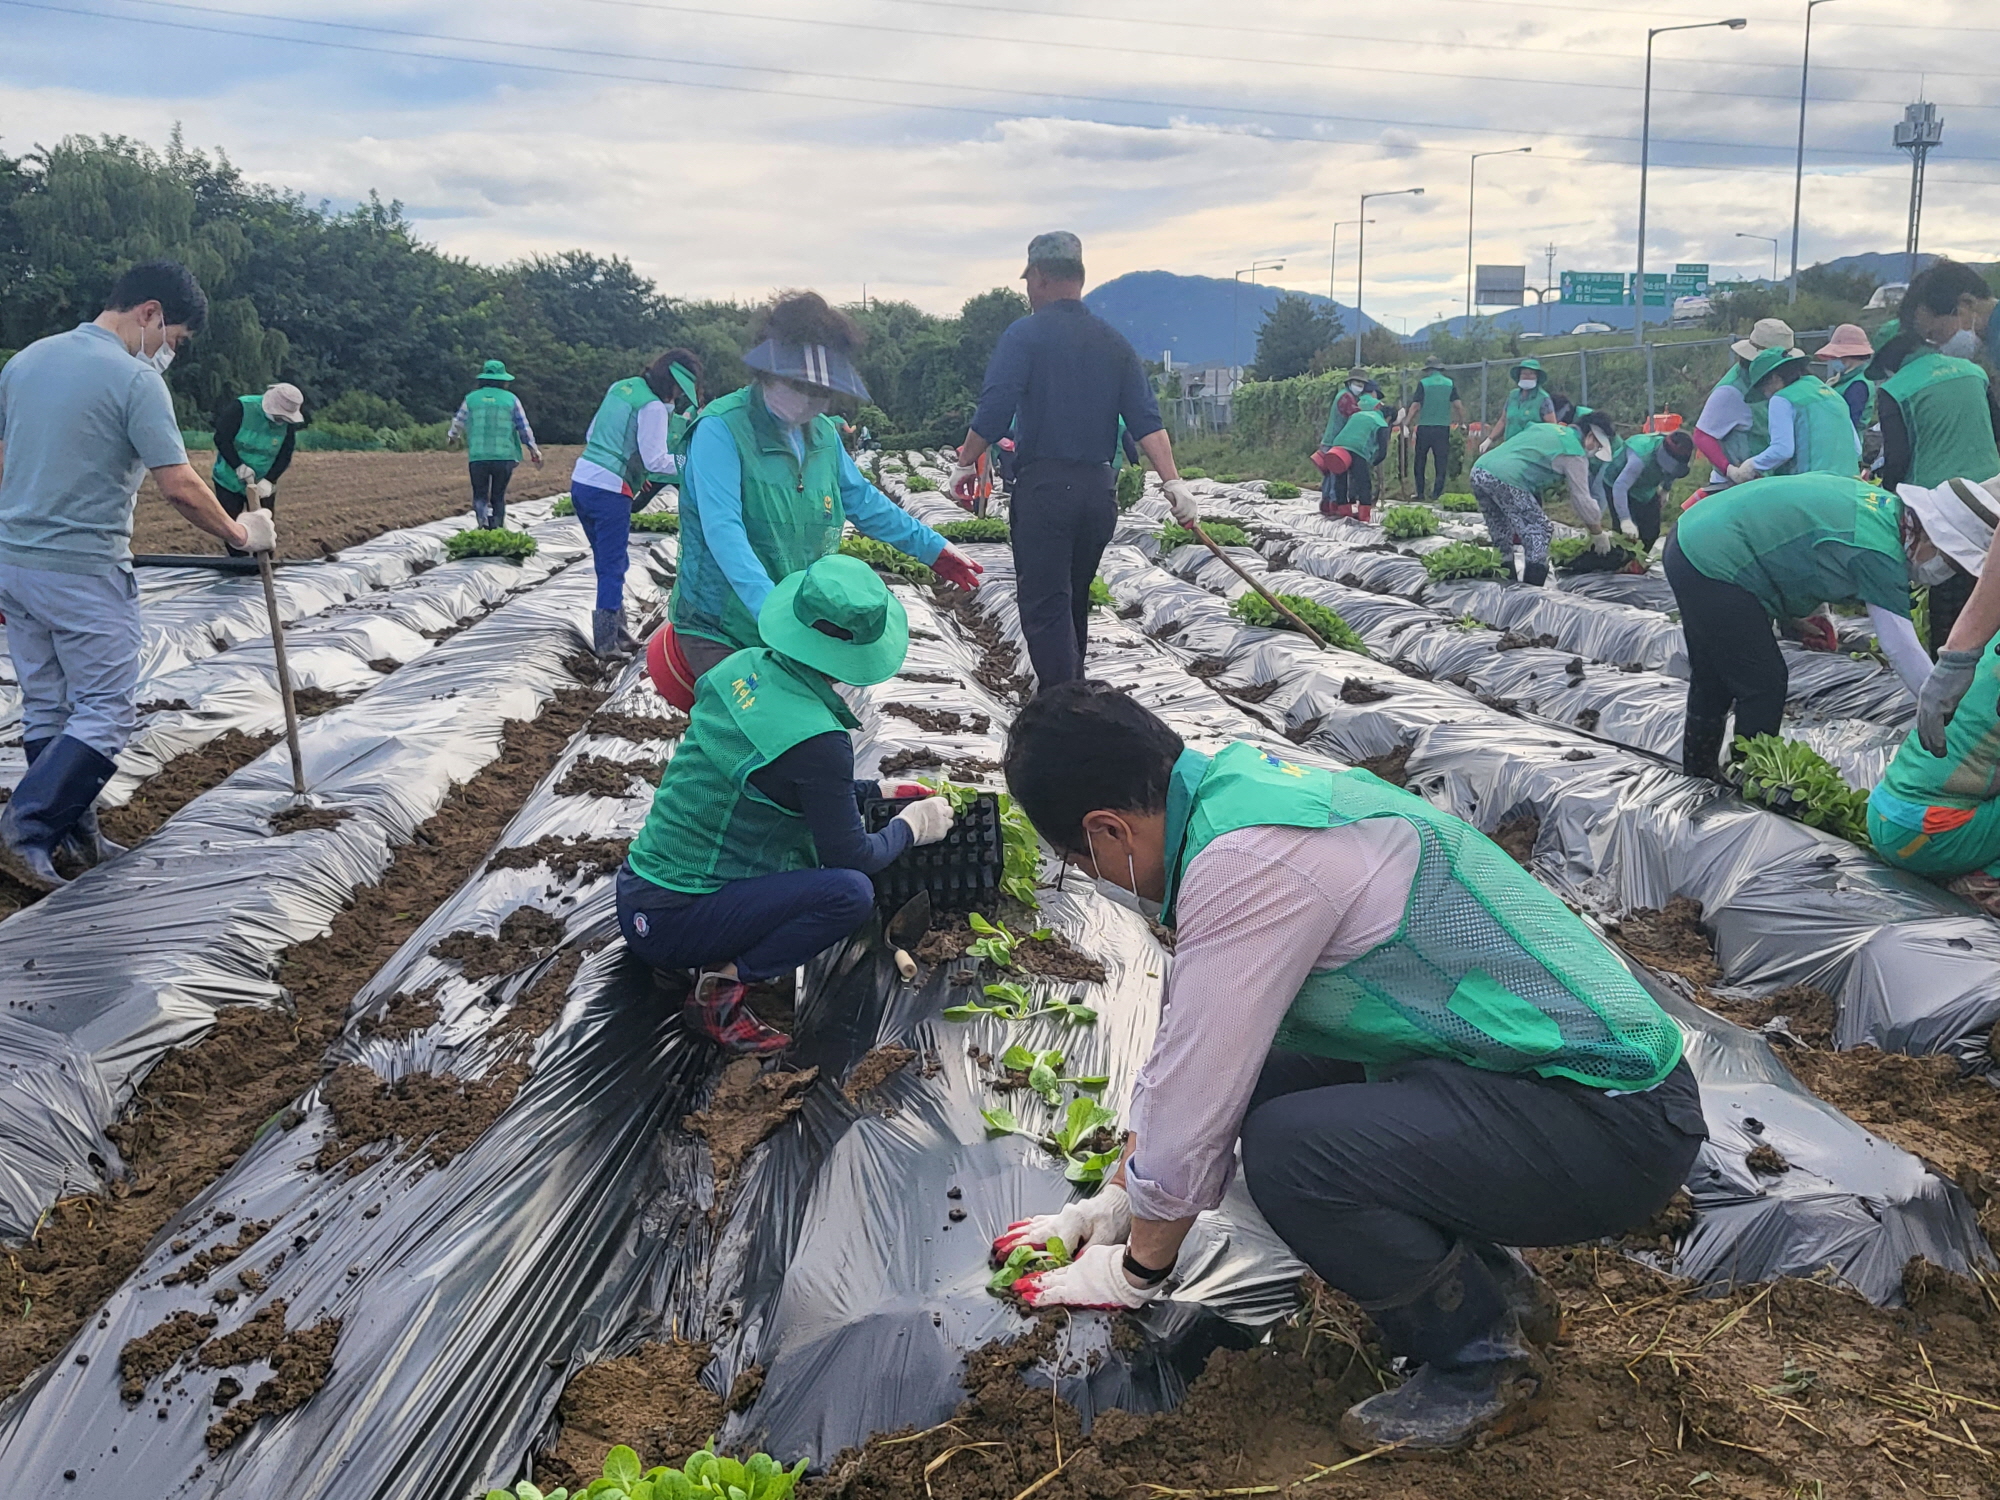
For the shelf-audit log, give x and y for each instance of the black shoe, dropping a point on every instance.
(1444, 1409)
(63, 781)
(27, 863)
(1530, 1299)
(1537, 574)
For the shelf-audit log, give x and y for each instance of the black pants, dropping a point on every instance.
(1376, 1186)
(489, 489)
(1061, 521)
(1433, 443)
(1354, 487)
(1733, 659)
(232, 505)
(1646, 516)
(1947, 603)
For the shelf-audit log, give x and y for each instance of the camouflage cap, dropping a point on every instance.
(1058, 246)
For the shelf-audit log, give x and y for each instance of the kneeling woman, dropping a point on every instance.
(754, 857)
(1425, 1055)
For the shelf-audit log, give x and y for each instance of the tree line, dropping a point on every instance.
(383, 331)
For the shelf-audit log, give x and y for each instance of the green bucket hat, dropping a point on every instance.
(1768, 360)
(494, 369)
(838, 618)
(1526, 364)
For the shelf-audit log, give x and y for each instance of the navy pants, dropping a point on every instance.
(766, 926)
(1434, 447)
(489, 478)
(606, 517)
(1733, 661)
(1061, 516)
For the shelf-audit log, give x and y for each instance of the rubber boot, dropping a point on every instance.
(1701, 747)
(1477, 1376)
(604, 639)
(1532, 1301)
(715, 1010)
(481, 517)
(86, 844)
(1364, 513)
(64, 780)
(1536, 574)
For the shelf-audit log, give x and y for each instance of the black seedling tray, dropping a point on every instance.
(961, 871)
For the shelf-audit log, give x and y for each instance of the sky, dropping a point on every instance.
(910, 148)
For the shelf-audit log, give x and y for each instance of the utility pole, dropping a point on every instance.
(1922, 129)
(1548, 282)
(1799, 172)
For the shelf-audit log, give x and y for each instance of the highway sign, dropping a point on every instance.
(1594, 288)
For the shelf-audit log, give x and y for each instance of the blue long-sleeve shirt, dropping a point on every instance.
(713, 456)
(1063, 377)
(1783, 443)
(815, 778)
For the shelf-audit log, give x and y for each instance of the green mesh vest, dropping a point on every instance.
(1526, 459)
(1823, 436)
(1524, 408)
(1742, 444)
(791, 512)
(1840, 387)
(1436, 393)
(708, 825)
(1943, 401)
(1488, 969)
(258, 440)
(1361, 434)
(489, 426)
(613, 440)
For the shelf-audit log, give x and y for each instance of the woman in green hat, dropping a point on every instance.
(754, 857)
(496, 429)
(1810, 428)
(1529, 402)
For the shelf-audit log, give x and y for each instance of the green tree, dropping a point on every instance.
(1293, 334)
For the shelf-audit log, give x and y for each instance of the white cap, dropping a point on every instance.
(285, 403)
(1960, 516)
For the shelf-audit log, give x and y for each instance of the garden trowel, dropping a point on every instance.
(906, 931)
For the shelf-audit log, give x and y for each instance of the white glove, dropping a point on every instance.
(1105, 1218)
(259, 532)
(1095, 1278)
(1743, 473)
(1180, 497)
(247, 474)
(264, 488)
(961, 474)
(929, 820)
(1600, 542)
(1629, 528)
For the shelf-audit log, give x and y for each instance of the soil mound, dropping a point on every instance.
(748, 1104)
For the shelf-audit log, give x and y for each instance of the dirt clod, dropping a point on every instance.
(299, 1367)
(437, 1111)
(1517, 836)
(567, 859)
(297, 819)
(158, 1350)
(1393, 768)
(639, 728)
(197, 1270)
(745, 1389)
(257, 1339)
(1766, 1158)
(940, 720)
(1359, 690)
(874, 1070)
(651, 1399)
(748, 1104)
(526, 935)
(597, 776)
(1671, 939)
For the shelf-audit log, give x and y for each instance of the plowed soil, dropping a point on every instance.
(327, 501)
(747, 1105)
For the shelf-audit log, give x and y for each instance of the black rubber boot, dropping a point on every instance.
(1701, 747)
(86, 844)
(1537, 574)
(604, 641)
(1529, 1298)
(64, 780)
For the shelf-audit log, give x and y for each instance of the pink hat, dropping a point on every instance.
(1848, 342)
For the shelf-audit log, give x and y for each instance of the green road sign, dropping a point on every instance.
(1692, 268)
(1594, 288)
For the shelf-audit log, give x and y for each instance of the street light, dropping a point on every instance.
(1471, 186)
(1251, 271)
(1645, 151)
(1333, 252)
(1799, 175)
(1361, 256)
(1772, 241)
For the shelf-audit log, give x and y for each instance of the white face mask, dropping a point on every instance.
(794, 407)
(1110, 890)
(161, 357)
(1527, 382)
(1932, 571)
(1961, 345)
(1356, 387)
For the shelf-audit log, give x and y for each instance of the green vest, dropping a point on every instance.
(791, 511)
(1743, 444)
(1797, 541)
(1527, 458)
(257, 443)
(1943, 401)
(489, 426)
(1823, 436)
(1361, 433)
(1651, 476)
(1967, 775)
(1488, 969)
(1435, 393)
(1523, 409)
(1860, 373)
(613, 440)
(708, 825)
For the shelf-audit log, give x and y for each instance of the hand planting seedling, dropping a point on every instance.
(667, 521)
(886, 559)
(1222, 533)
(1461, 504)
(1405, 523)
(1465, 560)
(1020, 852)
(978, 529)
(489, 542)
(1254, 609)
(1795, 779)
(1012, 1002)
(1278, 489)
(1566, 551)
(1084, 1137)
(1026, 1260)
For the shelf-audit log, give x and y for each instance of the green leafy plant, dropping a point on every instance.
(1194, 473)
(1278, 489)
(1229, 479)
(1131, 486)
(1222, 533)
(1083, 1137)
(1100, 594)
(1013, 1002)
(1254, 609)
(996, 944)
(918, 484)
(1463, 504)
(1026, 1260)
(975, 529)
(1405, 523)
(564, 506)
(1044, 1072)
(1465, 560)
(668, 521)
(706, 1475)
(1795, 779)
(1565, 551)
(886, 559)
(490, 542)
(1020, 851)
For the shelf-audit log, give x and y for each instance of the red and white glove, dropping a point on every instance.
(959, 486)
(954, 567)
(1102, 1219)
(1819, 633)
(896, 791)
(1095, 1278)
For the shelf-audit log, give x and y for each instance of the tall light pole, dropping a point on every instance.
(1645, 152)
(1772, 241)
(1799, 175)
(1251, 271)
(1333, 253)
(1471, 187)
(1361, 256)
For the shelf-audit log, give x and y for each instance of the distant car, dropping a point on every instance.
(1592, 328)
(1526, 337)
(1689, 310)
(1889, 296)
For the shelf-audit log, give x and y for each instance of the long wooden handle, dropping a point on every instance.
(1269, 598)
(278, 651)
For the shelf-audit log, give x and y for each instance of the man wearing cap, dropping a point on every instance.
(1062, 378)
(1810, 428)
(495, 428)
(254, 438)
(84, 416)
(754, 856)
(1734, 423)
(1439, 410)
(768, 487)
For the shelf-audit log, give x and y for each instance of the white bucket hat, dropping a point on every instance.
(285, 403)
(1960, 516)
(1766, 333)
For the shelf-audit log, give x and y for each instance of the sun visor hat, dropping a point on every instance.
(814, 364)
(1959, 515)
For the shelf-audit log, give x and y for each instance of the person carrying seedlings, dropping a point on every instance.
(254, 439)
(1422, 1054)
(1845, 358)
(1439, 410)
(1810, 428)
(1735, 422)
(768, 488)
(1348, 489)
(1508, 484)
(754, 856)
(1639, 477)
(84, 417)
(1528, 402)
(495, 427)
(1777, 550)
(628, 453)
(1061, 378)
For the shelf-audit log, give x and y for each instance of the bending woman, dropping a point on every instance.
(1508, 484)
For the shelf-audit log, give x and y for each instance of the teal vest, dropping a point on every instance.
(1523, 408)
(1488, 968)
(1943, 401)
(1742, 445)
(257, 443)
(1361, 433)
(708, 825)
(613, 440)
(1435, 395)
(1823, 436)
(1840, 387)
(489, 426)
(791, 512)
(1526, 459)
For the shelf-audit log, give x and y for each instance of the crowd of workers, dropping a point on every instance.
(1421, 1054)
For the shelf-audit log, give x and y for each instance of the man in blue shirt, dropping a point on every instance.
(83, 416)
(1062, 378)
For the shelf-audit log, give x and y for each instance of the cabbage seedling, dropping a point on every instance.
(1026, 1260)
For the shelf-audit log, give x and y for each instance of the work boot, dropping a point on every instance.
(1364, 513)
(1532, 1301)
(1500, 1385)
(1536, 574)
(604, 635)
(715, 1010)
(57, 791)
(86, 844)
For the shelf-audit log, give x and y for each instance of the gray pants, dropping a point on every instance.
(75, 641)
(703, 654)
(1513, 515)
